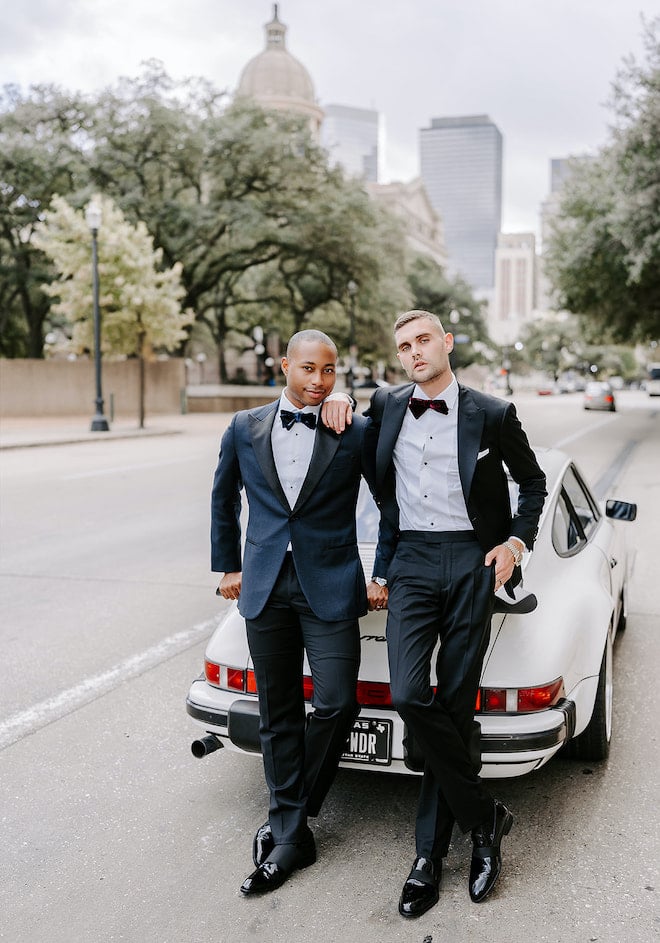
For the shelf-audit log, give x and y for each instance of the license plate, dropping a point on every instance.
(370, 741)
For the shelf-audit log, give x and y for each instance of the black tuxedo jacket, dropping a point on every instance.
(489, 436)
(321, 527)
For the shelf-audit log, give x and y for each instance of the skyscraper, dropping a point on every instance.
(515, 285)
(461, 166)
(353, 138)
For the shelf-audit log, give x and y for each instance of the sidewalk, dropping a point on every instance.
(33, 431)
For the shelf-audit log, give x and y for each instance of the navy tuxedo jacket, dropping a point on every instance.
(489, 436)
(321, 527)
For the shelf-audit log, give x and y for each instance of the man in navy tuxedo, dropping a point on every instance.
(442, 488)
(300, 587)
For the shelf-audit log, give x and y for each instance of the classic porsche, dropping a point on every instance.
(547, 681)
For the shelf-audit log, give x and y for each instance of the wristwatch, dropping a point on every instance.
(517, 554)
(380, 580)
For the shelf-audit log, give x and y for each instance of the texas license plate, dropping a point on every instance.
(370, 741)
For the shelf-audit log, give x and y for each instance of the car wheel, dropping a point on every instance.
(594, 741)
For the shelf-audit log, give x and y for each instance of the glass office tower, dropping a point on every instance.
(353, 138)
(461, 166)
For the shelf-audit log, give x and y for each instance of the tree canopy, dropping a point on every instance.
(139, 301)
(242, 199)
(603, 258)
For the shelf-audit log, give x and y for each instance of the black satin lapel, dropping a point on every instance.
(390, 426)
(261, 427)
(470, 425)
(325, 447)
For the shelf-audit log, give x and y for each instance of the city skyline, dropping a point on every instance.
(543, 72)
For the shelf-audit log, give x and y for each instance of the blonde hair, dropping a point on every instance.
(409, 316)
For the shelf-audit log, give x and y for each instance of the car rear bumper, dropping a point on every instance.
(511, 744)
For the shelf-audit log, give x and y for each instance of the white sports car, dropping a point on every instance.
(547, 679)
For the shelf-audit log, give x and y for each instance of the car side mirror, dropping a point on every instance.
(620, 510)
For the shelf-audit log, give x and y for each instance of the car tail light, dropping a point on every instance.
(374, 694)
(230, 678)
(369, 693)
(538, 699)
(493, 699)
(519, 700)
(212, 672)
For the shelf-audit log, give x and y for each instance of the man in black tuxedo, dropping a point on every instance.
(442, 488)
(300, 587)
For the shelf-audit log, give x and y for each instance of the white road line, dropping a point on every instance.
(582, 432)
(40, 715)
(124, 468)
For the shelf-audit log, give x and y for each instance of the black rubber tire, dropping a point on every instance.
(593, 743)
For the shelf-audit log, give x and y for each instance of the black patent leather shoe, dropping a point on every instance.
(420, 892)
(486, 855)
(262, 844)
(280, 865)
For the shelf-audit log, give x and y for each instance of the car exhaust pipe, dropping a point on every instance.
(206, 745)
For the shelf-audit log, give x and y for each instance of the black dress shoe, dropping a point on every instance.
(486, 856)
(280, 864)
(420, 892)
(262, 844)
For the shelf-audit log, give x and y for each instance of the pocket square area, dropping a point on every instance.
(483, 454)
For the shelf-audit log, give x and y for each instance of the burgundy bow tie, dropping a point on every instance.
(419, 406)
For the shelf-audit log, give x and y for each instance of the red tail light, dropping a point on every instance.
(235, 679)
(251, 686)
(374, 694)
(538, 699)
(519, 700)
(369, 693)
(212, 672)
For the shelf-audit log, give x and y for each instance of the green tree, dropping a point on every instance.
(139, 301)
(603, 258)
(42, 140)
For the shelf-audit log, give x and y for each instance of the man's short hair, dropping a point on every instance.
(309, 335)
(409, 316)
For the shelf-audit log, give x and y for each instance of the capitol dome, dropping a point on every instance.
(276, 79)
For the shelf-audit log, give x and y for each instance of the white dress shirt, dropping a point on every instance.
(428, 485)
(292, 448)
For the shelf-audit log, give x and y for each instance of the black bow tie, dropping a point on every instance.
(289, 419)
(419, 406)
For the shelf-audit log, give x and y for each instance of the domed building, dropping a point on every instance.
(276, 79)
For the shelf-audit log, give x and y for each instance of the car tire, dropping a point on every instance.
(623, 613)
(594, 741)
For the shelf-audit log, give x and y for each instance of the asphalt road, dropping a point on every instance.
(111, 830)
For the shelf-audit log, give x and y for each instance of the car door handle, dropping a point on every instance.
(613, 562)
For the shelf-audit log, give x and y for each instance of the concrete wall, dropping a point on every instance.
(68, 388)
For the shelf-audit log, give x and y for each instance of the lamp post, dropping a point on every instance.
(93, 217)
(352, 289)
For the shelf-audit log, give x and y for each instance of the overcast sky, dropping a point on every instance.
(541, 69)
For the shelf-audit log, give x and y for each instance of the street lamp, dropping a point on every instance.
(93, 218)
(352, 289)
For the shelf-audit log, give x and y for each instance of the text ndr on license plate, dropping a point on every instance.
(370, 741)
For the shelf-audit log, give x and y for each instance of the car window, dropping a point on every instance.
(582, 501)
(567, 536)
(576, 515)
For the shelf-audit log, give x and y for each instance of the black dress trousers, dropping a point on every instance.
(300, 753)
(439, 588)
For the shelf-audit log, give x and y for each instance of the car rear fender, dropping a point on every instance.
(228, 644)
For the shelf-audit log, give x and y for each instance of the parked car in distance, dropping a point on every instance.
(599, 396)
(547, 679)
